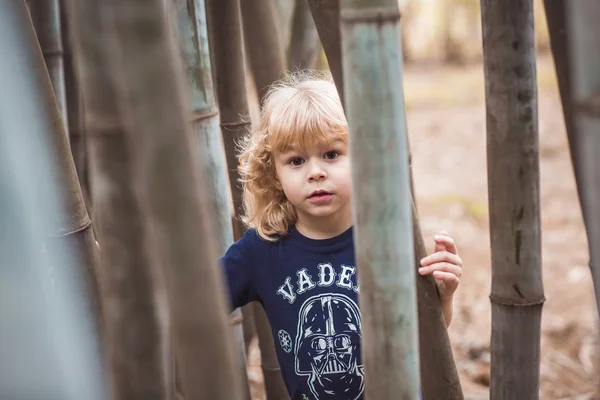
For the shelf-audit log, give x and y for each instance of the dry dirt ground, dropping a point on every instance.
(446, 120)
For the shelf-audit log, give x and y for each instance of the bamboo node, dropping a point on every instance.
(202, 115)
(379, 15)
(513, 303)
(233, 125)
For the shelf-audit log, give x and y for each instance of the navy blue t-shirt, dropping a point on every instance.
(309, 291)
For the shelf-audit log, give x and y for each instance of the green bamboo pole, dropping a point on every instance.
(517, 294)
(263, 43)
(179, 212)
(207, 132)
(47, 317)
(574, 39)
(372, 65)
(135, 329)
(304, 42)
(46, 18)
(438, 369)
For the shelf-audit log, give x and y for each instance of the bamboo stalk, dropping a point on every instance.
(179, 216)
(326, 15)
(232, 97)
(267, 64)
(263, 44)
(48, 274)
(74, 101)
(304, 42)
(438, 370)
(135, 326)
(207, 132)
(372, 66)
(517, 294)
(46, 18)
(573, 39)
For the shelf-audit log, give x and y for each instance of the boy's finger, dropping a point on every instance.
(447, 242)
(443, 267)
(450, 280)
(441, 256)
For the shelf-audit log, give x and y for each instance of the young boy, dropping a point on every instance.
(297, 257)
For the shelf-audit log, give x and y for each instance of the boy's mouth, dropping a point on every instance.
(320, 195)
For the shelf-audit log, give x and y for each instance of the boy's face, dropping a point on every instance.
(317, 181)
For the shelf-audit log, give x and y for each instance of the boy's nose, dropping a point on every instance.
(316, 172)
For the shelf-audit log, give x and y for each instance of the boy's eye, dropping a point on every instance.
(331, 155)
(296, 161)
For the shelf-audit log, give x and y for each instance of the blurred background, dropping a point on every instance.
(444, 91)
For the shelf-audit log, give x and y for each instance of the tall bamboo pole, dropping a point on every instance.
(178, 210)
(47, 248)
(372, 65)
(135, 326)
(304, 42)
(74, 99)
(73, 227)
(326, 15)
(517, 293)
(438, 369)
(267, 64)
(574, 39)
(46, 18)
(263, 43)
(207, 132)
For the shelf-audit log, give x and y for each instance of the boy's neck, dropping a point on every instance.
(323, 228)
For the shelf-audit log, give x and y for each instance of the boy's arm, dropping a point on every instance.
(237, 266)
(447, 309)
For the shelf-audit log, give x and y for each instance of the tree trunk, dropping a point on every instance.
(49, 323)
(513, 174)
(574, 39)
(46, 18)
(136, 334)
(177, 207)
(304, 43)
(382, 208)
(438, 371)
(263, 43)
(206, 130)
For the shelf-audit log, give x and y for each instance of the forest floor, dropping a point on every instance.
(446, 122)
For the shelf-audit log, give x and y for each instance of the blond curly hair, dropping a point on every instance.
(301, 110)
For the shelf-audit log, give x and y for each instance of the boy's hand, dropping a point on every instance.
(445, 264)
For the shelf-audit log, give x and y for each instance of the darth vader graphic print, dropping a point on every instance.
(327, 347)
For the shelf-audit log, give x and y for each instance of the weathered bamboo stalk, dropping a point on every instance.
(207, 132)
(304, 41)
(179, 211)
(135, 326)
(73, 227)
(228, 53)
(46, 18)
(74, 99)
(438, 370)
(263, 43)
(326, 15)
(47, 308)
(372, 65)
(517, 294)
(574, 39)
(267, 64)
